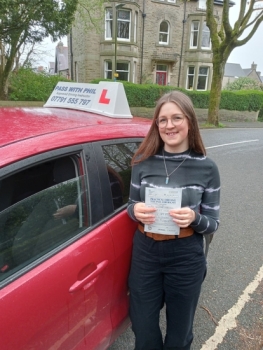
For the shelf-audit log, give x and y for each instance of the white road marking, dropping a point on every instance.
(228, 321)
(233, 143)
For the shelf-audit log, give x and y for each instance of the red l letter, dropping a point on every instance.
(103, 98)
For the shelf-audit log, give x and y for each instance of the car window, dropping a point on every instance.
(118, 159)
(41, 208)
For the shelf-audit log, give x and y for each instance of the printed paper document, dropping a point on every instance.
(163, 200)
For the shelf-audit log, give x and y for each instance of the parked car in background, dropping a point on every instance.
(65, 237)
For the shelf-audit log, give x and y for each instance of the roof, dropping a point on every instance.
(29, 131)
(234, 70)
(247, 71)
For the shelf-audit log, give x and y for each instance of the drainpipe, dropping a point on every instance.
(71, 55)
(182, 43)
(143, 23)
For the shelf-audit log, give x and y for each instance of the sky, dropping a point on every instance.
(252, 51)
(244, 55)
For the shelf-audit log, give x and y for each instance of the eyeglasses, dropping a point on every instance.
(176, 120)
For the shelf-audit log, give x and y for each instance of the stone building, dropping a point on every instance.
(155, 41)
(233, 71)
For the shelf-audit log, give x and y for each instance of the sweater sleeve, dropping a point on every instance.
(135, 187)
(207, 220)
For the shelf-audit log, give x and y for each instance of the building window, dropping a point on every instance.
(202, 4)
(164, 33)
(135, 27)
(171, 1)
(206, 43)
(76, 72)
(190, 78)
(108, 70)
(202, 78)
(134, 72)
(108, 24)
(123, 69)
(124, 24)
(194, 34)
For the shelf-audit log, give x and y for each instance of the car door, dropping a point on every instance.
(117, 155)
(56, 279)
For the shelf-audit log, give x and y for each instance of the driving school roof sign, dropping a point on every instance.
(106, 98)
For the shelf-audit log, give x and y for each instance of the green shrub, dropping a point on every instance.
(26, 85)
(241, 100)
(244, 83)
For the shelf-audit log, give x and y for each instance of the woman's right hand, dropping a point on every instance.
(144, 214)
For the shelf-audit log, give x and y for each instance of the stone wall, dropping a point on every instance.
(224, 115)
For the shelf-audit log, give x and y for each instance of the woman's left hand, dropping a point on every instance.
(183, 217)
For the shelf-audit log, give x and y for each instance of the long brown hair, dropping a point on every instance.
(153, 142)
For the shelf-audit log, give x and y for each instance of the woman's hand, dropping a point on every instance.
(65, 212)
(143, 213)
(183, 217)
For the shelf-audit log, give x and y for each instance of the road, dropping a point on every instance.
(231, 303)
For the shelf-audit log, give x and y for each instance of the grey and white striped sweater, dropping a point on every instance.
(198, 177)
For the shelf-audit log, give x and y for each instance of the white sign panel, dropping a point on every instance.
(107, 98)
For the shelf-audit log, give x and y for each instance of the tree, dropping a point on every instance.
(244, 83)
(89, 14)
(224, 39)
(29, 22)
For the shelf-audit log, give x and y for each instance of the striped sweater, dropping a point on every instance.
(198, 177)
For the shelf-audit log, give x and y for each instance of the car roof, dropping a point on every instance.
(29, 131)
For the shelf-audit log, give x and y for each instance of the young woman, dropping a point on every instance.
(166, 268)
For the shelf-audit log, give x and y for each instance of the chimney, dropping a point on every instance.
(254, 66)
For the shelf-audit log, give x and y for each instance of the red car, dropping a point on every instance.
(65, 237)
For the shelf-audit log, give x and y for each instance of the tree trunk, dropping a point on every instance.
(5, 76)
(215, 92)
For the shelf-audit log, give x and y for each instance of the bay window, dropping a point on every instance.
(124, 24)
(123, 69)
(108, 23)
(190, 78)
(194, 34)
(107, 70)
(206, 43)
(202, 78)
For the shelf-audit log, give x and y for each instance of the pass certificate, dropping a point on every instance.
(163, 199)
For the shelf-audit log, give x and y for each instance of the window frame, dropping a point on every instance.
(202, 75)
(120, 20)
(108, 208)
(187, 78)
(204, 30)
(124, 71)
(193, 33)
(108, 23)
(202, 4)
(107, 70)
(30, 162)
(135, 26)
(164, 33)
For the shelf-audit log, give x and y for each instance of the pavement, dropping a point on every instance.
(237, 124)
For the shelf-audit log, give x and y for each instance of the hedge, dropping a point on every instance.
(27, 85)
(147, 95)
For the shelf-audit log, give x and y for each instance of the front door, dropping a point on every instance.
(161, 74)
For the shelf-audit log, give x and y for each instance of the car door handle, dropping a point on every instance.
(79, 284)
